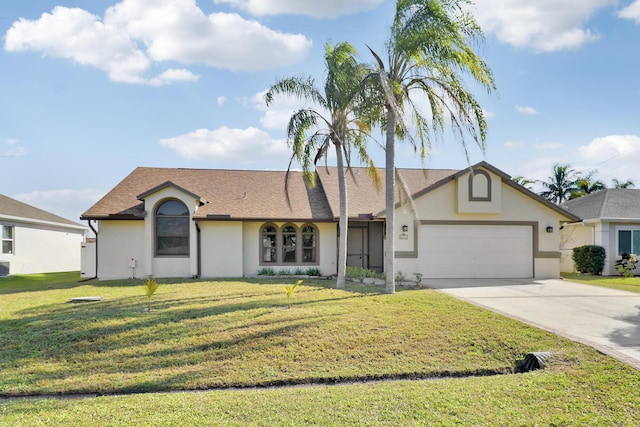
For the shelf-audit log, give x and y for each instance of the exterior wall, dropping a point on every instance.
(327, 249)
(449, 204)
(41, 248)
(221, 252)
(118, 243)
(572, 236)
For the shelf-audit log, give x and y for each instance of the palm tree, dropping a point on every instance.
(587, 185)
(560, 185)
(429, 53)
(332, 120)
(619, 184)
(524, 182)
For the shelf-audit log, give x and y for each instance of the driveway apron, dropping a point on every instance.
(606, 319)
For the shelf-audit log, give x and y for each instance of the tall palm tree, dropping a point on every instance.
(331, 120)
(560, 185)
(429, 52)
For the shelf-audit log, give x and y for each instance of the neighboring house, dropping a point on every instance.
(610, 218)
(36, 241)
(221, 223)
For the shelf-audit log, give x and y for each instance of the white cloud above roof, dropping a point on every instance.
(312, 8)
(542, 25)
(225, 144)
(136, 35)
(632, 11)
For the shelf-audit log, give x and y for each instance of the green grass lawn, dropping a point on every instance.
(236, 338)
(631, 284)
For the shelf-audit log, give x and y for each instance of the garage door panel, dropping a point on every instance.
(460, 251)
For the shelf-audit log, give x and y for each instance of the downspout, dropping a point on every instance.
(96, 233)
(198, 252)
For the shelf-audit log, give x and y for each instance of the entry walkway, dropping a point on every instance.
(606, 319)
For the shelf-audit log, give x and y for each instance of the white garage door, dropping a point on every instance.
(476, 251)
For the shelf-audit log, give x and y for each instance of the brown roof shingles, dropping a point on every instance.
(239, 194)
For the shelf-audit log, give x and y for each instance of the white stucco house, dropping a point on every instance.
(609, 218)
(475, 222)
(36, 241)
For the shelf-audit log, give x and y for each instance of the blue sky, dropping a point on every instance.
(92, 90)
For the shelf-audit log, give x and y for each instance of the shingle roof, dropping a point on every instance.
(611, 203)
(362, 195)
(234, 193)
(13, 208)
(260, 195)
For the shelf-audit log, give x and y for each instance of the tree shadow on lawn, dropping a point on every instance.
(177, 332)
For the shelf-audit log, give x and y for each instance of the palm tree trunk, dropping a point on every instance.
(343, 222)
(390, 191)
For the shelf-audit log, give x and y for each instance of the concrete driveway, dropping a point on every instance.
(606, 319)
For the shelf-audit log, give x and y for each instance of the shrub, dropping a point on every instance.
(266, 271)
(589, 259)
(400, 277)
(626, 264)
(313, 271)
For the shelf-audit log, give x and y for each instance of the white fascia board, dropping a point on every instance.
(42, 222)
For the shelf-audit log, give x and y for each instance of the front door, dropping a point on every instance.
(358, 247)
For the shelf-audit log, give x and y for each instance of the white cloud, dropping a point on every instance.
(632, 12)
(624, 146)
(135, 35)
(313, 8)
(615, 156)
(512, 145)
(66, 203)
(526, 110)
(221, 100)
(543, 25)
(10, 147)
(222, 145)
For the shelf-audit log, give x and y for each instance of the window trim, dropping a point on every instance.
(12, 239)
(472, 177)
(625, 228)
(279, 262)
(155, 229)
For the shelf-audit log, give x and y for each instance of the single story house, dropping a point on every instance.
(36, 241)
(610, 218)
(474, 222)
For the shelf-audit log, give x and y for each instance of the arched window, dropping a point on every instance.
(172, 228)
(288, 244)
(289, 240)
(309, 243)
(269, 243)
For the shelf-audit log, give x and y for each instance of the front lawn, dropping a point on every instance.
(631, 284)
(204, 335)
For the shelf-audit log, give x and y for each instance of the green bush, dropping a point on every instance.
(589, 259)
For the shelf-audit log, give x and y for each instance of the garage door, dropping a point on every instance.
(475, 251)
